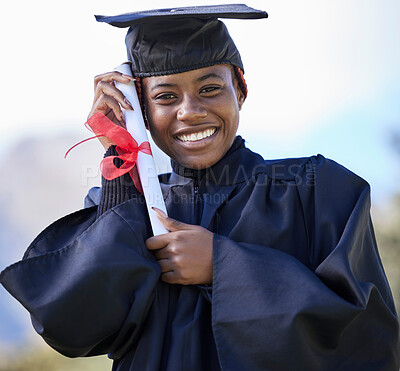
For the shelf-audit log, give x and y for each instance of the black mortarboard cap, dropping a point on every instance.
(174, 40)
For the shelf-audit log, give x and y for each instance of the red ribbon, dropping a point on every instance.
(127, 148)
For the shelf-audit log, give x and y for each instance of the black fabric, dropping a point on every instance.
(232, 11)
(181, 45)
(175, 40)
(117, 190)
(297, 279)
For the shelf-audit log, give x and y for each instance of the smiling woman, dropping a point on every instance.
(267, 265)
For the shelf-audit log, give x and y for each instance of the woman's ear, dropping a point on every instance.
(237, 76)
(240, 100)
(239, 96)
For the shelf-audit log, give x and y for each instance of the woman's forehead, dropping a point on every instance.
(220, 71)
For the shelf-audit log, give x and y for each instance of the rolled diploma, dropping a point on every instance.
(145, 163)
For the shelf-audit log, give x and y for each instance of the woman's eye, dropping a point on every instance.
(165, 96)
(210, 89)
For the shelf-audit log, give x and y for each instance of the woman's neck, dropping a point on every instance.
(198, 174)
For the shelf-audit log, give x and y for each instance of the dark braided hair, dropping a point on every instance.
(238, 74)
(139, 90)
(240, 79)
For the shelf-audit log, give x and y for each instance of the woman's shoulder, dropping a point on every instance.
(322, 182)
(330, 171)
(316, 166)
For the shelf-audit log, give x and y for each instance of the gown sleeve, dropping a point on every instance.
(272, 312)
(88, 282)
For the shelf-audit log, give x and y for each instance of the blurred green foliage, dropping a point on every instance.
(387, 228)
(42, 358)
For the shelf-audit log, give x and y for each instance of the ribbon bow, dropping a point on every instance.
(127, 148)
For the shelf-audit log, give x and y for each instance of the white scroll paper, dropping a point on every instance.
(145, 163)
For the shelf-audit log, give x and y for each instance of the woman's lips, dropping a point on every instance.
(194, 137)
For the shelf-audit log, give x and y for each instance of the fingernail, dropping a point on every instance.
(160, 212)
(128, 103)
(128, 77)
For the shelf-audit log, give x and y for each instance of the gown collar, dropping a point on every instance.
(199, 174)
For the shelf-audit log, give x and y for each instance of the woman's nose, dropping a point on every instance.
(191, 109)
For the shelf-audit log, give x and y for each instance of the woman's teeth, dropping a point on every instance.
(196, 136)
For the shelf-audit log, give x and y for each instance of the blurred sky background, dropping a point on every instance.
(323, 77)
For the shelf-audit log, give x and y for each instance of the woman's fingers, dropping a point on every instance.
(110, 108)
(106, 104)
(165, 266)
(110, 77)
(169, 277)
(169, 274)
(108, 100)
(107, 89)
(104, 88)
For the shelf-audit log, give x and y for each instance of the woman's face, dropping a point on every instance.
(193, 116)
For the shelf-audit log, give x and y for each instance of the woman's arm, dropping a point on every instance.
(80, 276)
(271, 311)
(88, 283)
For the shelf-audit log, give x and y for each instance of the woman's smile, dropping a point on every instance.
(197, 136)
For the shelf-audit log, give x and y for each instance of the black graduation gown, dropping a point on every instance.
(297, 280)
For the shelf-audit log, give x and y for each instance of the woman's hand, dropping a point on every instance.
(108, 100)
(184, 254)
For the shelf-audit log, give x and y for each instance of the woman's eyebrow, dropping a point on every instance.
(208, 76)
(201, 78)
(165, 85)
